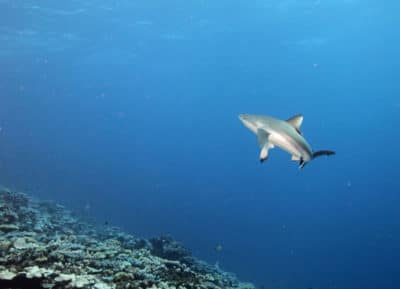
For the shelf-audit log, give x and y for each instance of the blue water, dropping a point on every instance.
(128, 111)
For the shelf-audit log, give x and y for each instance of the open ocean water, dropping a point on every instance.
(127, 111)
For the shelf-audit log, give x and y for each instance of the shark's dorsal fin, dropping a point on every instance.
(296, 122)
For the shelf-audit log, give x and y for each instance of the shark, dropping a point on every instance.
(285, 134)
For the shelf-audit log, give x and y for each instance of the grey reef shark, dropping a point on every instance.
(285, 134)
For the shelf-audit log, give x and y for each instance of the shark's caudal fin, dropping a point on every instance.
(315, 155)
(322, 153)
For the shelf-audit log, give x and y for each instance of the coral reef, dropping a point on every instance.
(43, 246)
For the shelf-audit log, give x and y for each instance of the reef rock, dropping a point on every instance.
(43, 246)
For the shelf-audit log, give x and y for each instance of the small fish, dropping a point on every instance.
(218, 248)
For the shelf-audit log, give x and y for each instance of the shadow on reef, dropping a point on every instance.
(167, 248)
(43, 246)
(22, 282)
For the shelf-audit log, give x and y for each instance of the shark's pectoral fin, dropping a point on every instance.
(265, 145)
(262, 137)
(264, 153)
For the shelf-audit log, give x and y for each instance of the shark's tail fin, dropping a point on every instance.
(322, 153)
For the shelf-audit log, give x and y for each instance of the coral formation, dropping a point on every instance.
(43, 246)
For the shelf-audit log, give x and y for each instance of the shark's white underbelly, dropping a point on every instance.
(290, 145)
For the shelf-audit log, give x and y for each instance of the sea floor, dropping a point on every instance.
(42, 245)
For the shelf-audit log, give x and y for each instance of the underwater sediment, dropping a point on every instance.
(42, 245)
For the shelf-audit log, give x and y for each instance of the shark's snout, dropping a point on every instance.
(248, 122)
(243, 117)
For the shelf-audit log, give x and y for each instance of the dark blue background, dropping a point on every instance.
(130, 110)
